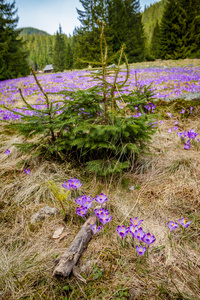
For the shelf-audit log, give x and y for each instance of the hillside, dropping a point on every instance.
(150, 15)
(31, 30)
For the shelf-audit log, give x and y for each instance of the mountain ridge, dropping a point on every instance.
(32, 30)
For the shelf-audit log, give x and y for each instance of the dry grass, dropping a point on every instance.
(167, 188)
(188, 62)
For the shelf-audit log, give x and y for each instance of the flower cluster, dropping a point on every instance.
(103, 215)
(85, 203)
(187, 136)
(138, 233)
(173, 225)
(160, 78)
(150, 107)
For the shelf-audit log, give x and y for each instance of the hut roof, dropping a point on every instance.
(48, 68)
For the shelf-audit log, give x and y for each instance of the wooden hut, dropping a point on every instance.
(48, 69)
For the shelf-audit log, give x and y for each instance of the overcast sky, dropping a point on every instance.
(48, 14)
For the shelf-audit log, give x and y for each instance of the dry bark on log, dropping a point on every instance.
(71, 256)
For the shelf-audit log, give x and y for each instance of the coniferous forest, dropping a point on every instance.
(168, 29)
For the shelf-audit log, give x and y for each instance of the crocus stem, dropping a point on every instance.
(147, 252)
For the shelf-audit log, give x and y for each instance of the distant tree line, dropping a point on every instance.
(45, 49)
(172, 32)
(152, 13)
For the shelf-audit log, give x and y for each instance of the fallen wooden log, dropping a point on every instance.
(69, 259)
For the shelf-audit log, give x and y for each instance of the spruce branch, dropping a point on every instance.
(115, 79)
(41, 89)
(29, 106)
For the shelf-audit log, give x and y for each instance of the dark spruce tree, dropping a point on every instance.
(116, 20)
(154, 46)
(191, 36)
(59, 51)
(134, 31)
(172, 30)
(180, 29)
(13, 59)
(68, 57)
(87, 35)
(125, 27)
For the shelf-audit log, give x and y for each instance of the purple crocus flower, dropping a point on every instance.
(137, 116)
(133, 230)
(87, 202)
(79, 201)
(84, 201)
(81, 211)
(147, 107)
(141, 250)
(122, 230)
(192, 134)
(95, 229)
(172, 225)
(169, 130)
(187, 145)
(175, 128)
(101, 212)
(104, 219)
(191, 108)
(182, 111)
(139, 234)
(72, 184)
(27, 171)
(184, 222)
(148, 239)
(66, 185)
(135, 221)
(170, 115)
(101, 198)
(7, 152)
(175, 122)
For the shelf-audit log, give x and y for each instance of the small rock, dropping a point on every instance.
(131, 188)
(57, 233)
(87, 267)
(113, 66)
(134, 294)
(97, 71)
(42, 213)
(50, 211)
